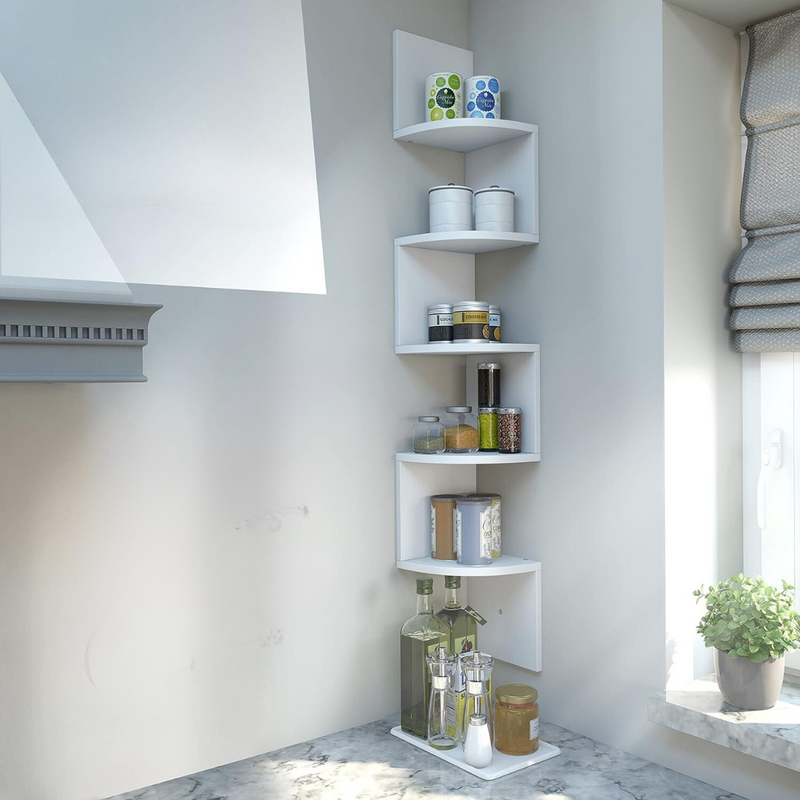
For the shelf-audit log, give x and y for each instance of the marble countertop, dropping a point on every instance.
(699, 710)
(368, 763)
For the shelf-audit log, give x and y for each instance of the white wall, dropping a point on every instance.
(184, 563)
(607, 310)
(702, 181)
(592, 295)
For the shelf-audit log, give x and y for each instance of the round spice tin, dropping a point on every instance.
(482, 96)
(471, 321)
(494, 323)
(440, 323)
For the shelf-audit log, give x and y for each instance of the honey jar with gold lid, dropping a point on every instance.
(516, 712)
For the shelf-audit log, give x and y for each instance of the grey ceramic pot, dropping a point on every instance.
(748, 685)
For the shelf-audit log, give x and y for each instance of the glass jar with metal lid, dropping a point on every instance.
(461, 430)
(487, 428)
(516, 719)
(471, 321)
(489, 384)
(428, 436)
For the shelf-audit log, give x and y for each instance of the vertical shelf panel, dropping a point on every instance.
(515, 165)
(512, 606)
(416, 57)
(520, 387)
(425, 277)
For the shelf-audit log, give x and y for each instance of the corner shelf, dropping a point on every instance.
(55, 341)
(474, 242)
(464, 349)
(459, 459)
(505, 565)
(464, 135)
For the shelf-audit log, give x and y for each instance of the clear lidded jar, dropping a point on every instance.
(509, 429)
(489, 384)
(428, 435)
(516, 719)
(461, 430)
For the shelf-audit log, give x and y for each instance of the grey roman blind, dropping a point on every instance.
(765, 293)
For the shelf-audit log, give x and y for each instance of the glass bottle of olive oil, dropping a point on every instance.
(462, 638)
(421, 635)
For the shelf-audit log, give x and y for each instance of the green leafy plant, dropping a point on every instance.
(745, 617)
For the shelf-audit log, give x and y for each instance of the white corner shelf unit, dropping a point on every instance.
(438, 268)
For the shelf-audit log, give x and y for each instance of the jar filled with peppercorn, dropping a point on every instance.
(509, 430)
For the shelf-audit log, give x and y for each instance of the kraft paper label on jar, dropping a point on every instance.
(457, 526)
(534, 732)
(433, 529)
(486, 533)
(471, 318)
(435, 320)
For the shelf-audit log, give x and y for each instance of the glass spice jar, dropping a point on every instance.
(509, 430)
(461, 430)
(428, 436)
(516, 719)
(487, 429)
(489, 384)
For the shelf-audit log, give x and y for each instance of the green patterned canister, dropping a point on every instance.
(443, 100)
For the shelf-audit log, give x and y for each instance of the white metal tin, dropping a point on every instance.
(494, 209)
(444, 96)
(482, 93)
(450, 208)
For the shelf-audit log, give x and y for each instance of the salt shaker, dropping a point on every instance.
(478, 745)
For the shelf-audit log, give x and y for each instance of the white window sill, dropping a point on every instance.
(699, 710)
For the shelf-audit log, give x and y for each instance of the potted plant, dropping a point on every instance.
(751, 625)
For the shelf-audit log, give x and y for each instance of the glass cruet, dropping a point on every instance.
(442, 718)
(477, 669)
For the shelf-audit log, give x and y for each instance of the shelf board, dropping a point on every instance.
(501, 763)
(469, 458)
(468, 241)
(464, 349)
(505, 565)
(464, 135)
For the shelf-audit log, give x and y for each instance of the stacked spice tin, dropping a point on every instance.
(469, 321)
(499, 427)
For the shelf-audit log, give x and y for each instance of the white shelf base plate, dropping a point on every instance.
(469, 458)
(505, 565)
(464, 135)
(501, 764)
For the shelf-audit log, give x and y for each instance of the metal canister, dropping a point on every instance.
(473, 526)
(471, 321)
(497, 520)
(440, 323)
(494, 323)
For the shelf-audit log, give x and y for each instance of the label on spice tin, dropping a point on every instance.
(457, 531)
(436, 320)
(433, 529)
(471, 318)
(534, 729)
(494, 320)
(496, 528)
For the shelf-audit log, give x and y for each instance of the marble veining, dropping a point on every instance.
(368, 763)
(699, 710)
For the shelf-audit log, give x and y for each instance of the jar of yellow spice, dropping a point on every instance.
(461, 430)
(516, 719)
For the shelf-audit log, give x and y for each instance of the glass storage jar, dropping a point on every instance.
(428, 436)
(516, 719)
(461, 430)
(509, 430)
(487, 429)
(489, 384)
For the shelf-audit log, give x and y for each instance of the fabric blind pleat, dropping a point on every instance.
(765, 278)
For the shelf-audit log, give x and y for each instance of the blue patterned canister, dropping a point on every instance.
(482, 97)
